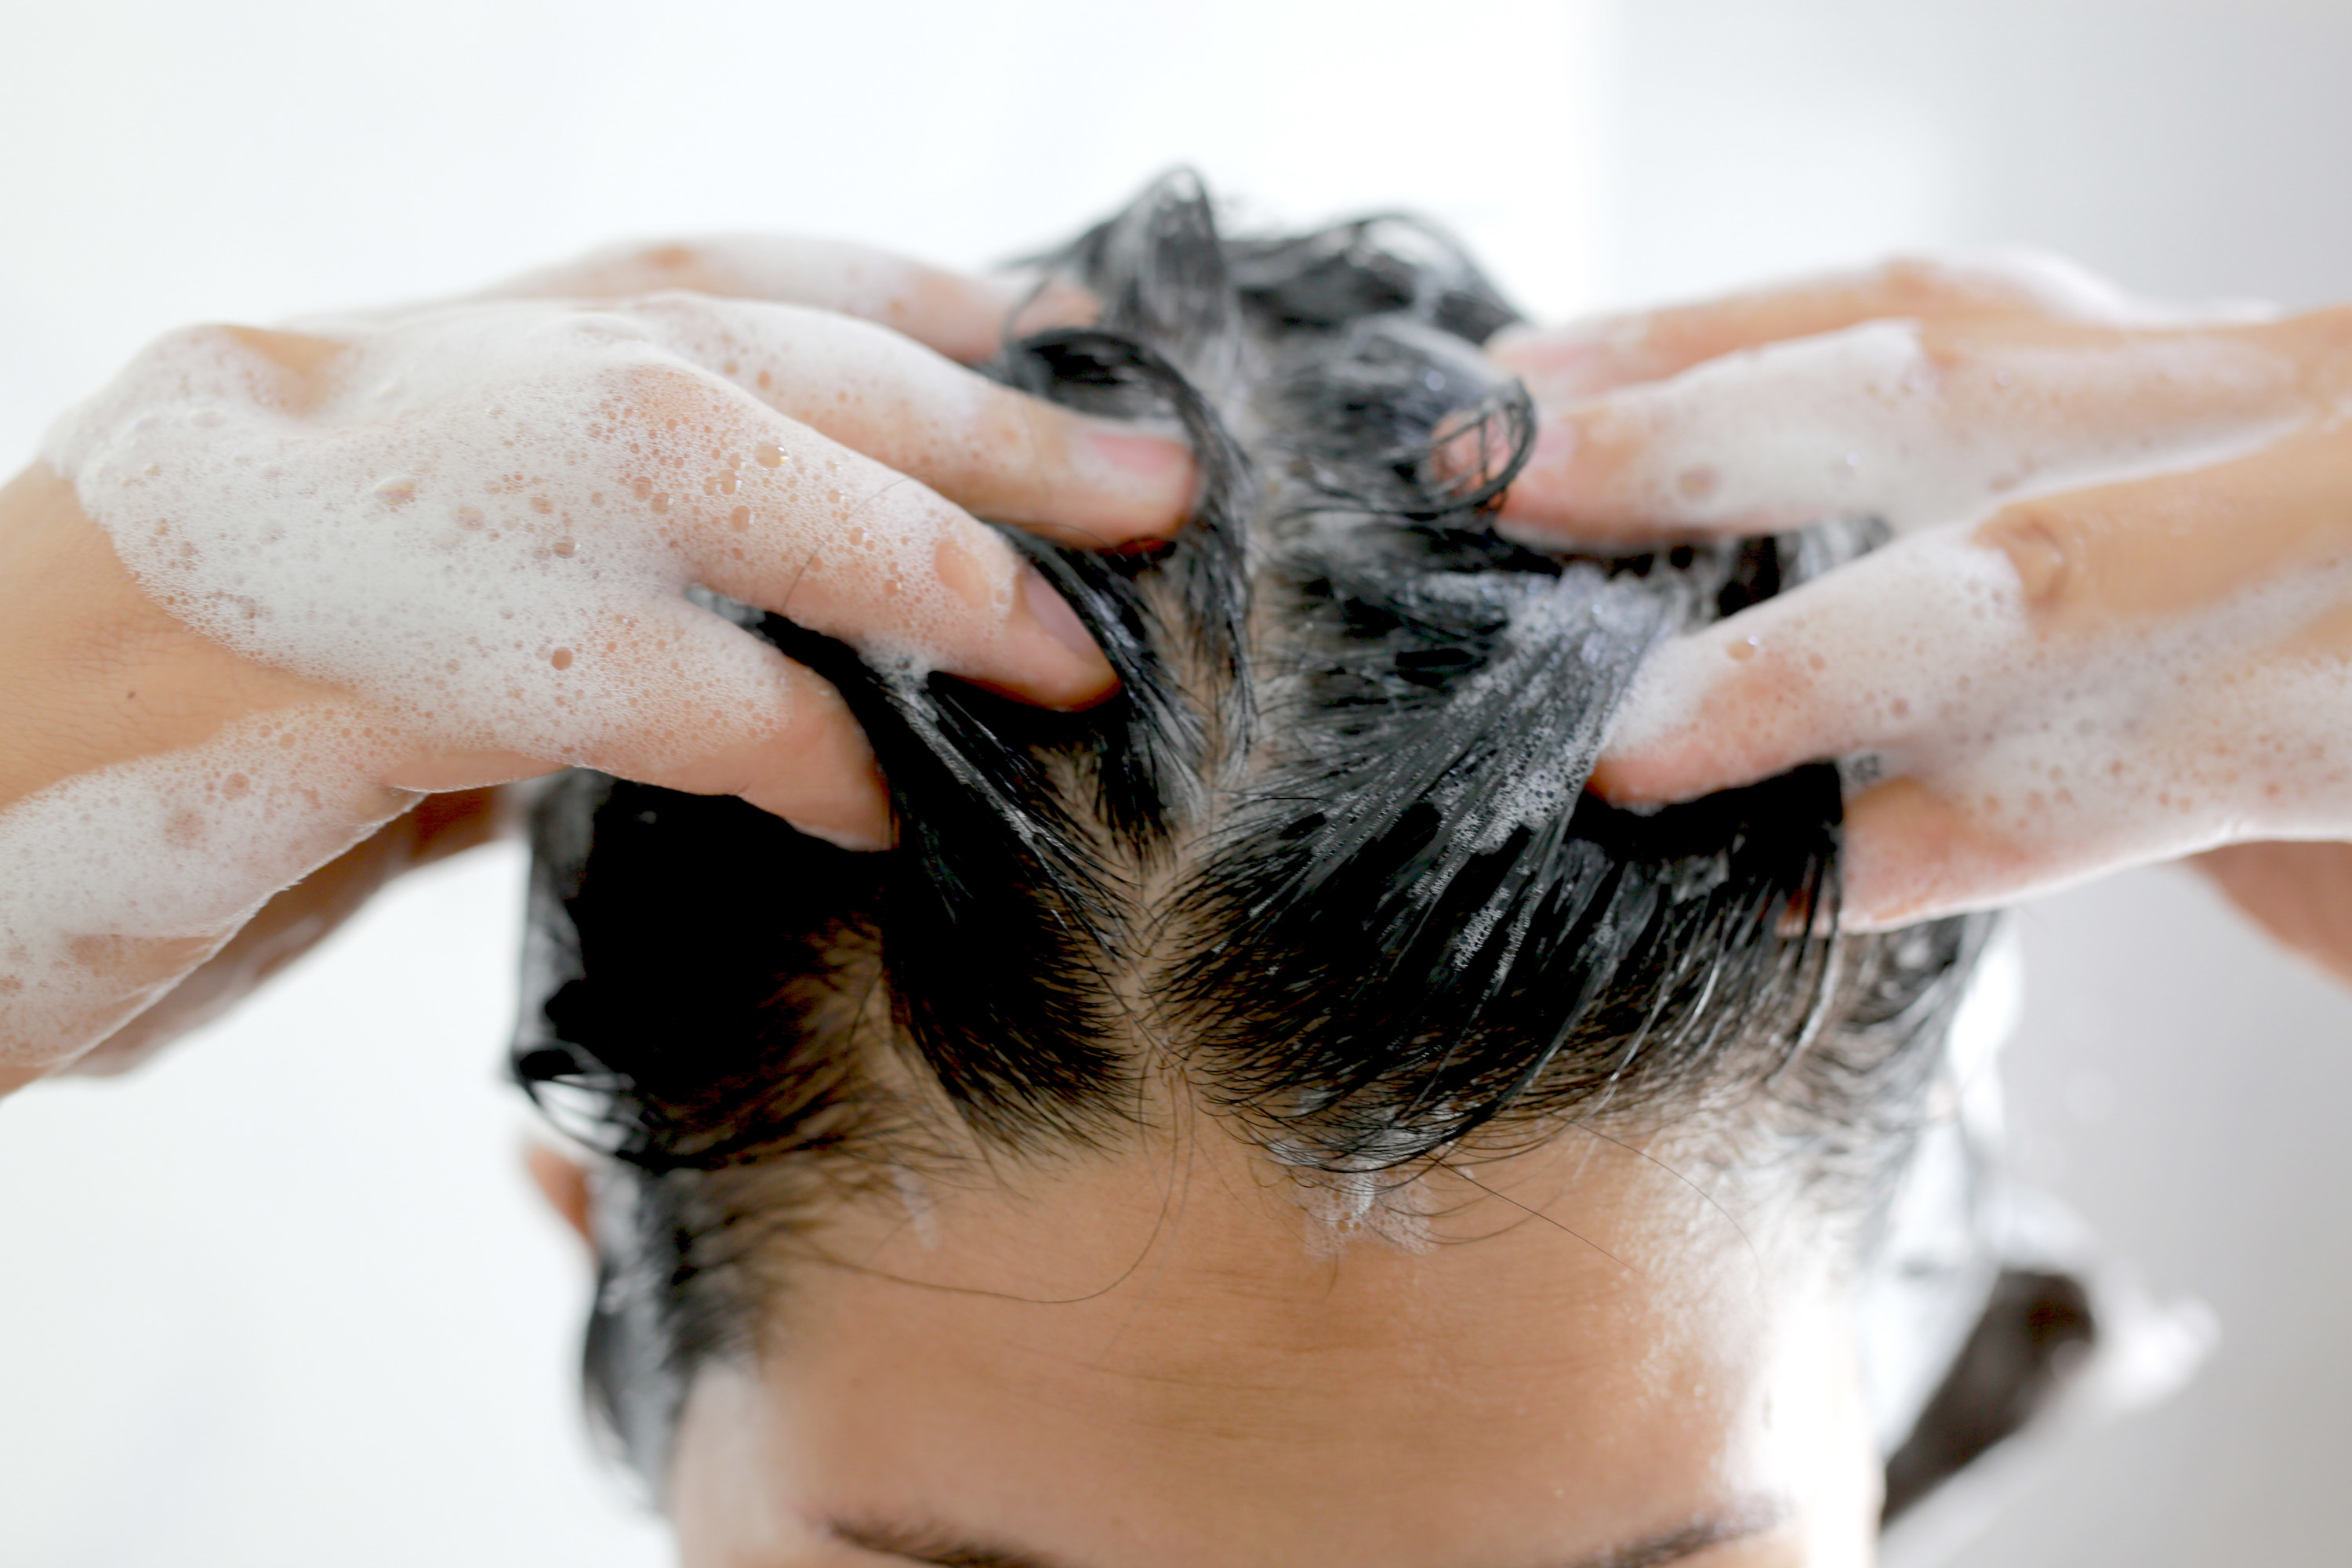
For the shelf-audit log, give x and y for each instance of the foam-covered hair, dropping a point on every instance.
(1326, 853)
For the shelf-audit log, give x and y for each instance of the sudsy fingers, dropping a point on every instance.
(779, 734)
(990, 449)
(1586, 358)
(460, 518)
(1908, 646)
(1916, 426)
(1911, 854)
(960, 316)
(2006, 769)
(772, 513)
(2084, 682)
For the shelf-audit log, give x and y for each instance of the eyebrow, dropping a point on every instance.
(938, 1548)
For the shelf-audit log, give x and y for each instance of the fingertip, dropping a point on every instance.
(833, 790)
(1578, 360)
(1667, 772)
(1574, 489)
(1688, 725)
(1911, 855)
(1147, 482)
(785, 741)
(1082, 482)
(1634, 779)
(1566, 494)
(1062, 666)
(864, 833)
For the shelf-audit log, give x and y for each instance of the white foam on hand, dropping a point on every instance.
(480, 524)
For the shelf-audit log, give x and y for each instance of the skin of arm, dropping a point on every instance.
(94, 674)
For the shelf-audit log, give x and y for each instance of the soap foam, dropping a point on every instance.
(2069, 752)
(1864, 423)
(123, 879)
(483, 520)
(479, 519)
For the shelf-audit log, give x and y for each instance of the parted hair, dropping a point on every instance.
(1326, 861)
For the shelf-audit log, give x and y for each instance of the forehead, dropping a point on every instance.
(1144, 1333)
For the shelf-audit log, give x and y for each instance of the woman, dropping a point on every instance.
(1266, 1117)
(1271, 1115)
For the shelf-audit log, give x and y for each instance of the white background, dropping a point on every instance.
(282, 1300)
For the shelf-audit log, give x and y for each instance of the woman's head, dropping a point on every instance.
(1274, 1114)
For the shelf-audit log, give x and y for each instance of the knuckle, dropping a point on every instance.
(1017, 435)
(648, 268)
(1911, 285)
(2043, 542)
(1950, 350)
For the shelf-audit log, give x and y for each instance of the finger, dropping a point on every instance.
(1913, 854)
(709, 709)
(988, 449)
(1916, 426)
(1905, 642)
(2300, 893)
(1597, 355)
(961, 316)
(772, 513)
(2142, 551)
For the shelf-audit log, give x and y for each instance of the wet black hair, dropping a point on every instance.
(1327, 857)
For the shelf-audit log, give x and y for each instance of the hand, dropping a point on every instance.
(2115, 625)
(271, 584)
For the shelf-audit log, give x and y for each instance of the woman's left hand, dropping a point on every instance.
(2115, 626)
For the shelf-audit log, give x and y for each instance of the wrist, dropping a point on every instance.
(93, 672)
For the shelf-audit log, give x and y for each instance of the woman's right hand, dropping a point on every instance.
(271, 586)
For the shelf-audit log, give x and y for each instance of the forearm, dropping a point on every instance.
(115, 886)
(299, 918)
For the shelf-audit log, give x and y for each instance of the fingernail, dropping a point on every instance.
(865, 836)
(1146, 455)
(1056, 618)
(1160, 469)
(1083, 681)
(860, 820)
